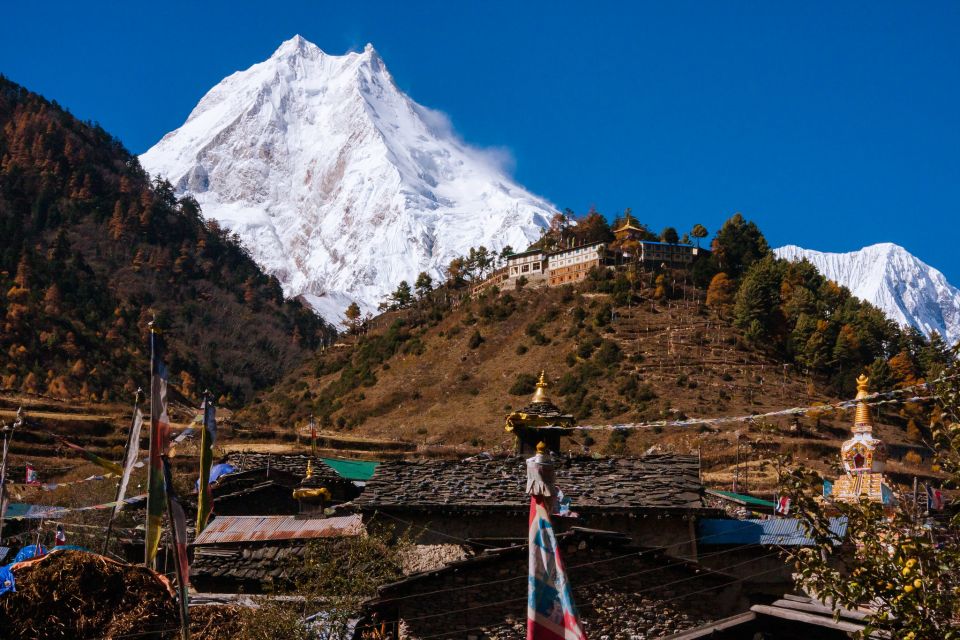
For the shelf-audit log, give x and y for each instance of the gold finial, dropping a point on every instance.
(309, 468)
(540, 395)
(541, 447)
(862, 416)
(862, 383)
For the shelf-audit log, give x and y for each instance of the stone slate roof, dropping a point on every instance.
(295, 464)
(546, 410)
(655, 481)
(246, 565)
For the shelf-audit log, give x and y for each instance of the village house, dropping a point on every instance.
(621, 591)
(632, 241)
(296, 472)
(572, 265)
(253, 554)
(530, 264)
(655, 500)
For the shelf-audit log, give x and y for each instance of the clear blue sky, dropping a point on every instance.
(833, 125)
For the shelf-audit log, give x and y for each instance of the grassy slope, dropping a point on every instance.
(447, 394)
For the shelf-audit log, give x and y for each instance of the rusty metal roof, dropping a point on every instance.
(253, 528)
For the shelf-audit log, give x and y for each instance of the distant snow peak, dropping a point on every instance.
(337, 182)
(909, 291)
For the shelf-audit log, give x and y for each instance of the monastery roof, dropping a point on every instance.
(294, 464)
(650, 482)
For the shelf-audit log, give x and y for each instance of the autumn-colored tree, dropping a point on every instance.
(720, 293)
(188, 385)
(138, 259)
(116, 226)
(31, 384)
(660, 287)
(52, 300)
(903, 370)
(456, 272)
(592, 227)
(896, 564)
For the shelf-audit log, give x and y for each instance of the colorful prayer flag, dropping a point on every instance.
(130, 459)
(783, 506)
(112, 467)
(207, 439)
(178, 527)
(551, 614)
(935, 500)
(159, 443)
(31, 475)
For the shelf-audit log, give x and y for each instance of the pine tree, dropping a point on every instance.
(699, 232)
(353, 317)
(669, 234)
(738, 245)
(402, 297)
(423, 285)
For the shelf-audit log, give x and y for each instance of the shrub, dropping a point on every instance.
(603, 316)
(609, 353)
(521, 349)
(523, 384)
(475, 340)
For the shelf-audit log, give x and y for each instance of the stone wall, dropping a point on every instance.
(631, 598)
(673, 532)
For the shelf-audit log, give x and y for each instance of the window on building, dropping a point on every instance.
(526, 268)
(536, 266)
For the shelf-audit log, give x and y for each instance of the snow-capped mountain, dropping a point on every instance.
(904, 287)
(336, 181)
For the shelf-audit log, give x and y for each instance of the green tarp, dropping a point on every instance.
(743, 498)
(352, 469)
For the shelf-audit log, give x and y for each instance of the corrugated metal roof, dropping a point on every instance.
(254, 528)
(787, 532)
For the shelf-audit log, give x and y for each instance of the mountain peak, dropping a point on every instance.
(909, 291)
(297, 46)
(337, 182)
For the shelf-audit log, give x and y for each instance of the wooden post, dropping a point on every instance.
(7, 434)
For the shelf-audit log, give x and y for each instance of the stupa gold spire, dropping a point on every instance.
(863, 458)
(861, 420)
(540, 395)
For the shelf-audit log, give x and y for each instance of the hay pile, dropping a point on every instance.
(71, 594)
(217, 621)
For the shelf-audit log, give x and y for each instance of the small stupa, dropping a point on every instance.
(539, 421)
(864, 458)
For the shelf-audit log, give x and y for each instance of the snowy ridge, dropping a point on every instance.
(909, 291)
(337, 182)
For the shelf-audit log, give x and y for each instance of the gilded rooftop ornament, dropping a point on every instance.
(540, 395)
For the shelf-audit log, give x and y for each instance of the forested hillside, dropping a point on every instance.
(736, 333)
(91, 251)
